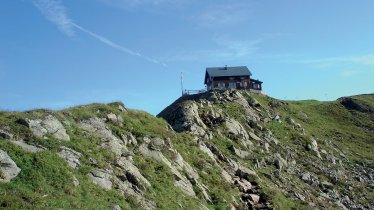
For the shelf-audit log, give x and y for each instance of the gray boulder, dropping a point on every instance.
(132, 171)
(27, 147)
(8, 168)
(313, 146)
(114, 118)
(70, 156)
(5, 134)
(185, 117)
(236, 130)
(116, 207)
(245, 173)
(240, 153)
(55, 127)
(180, 180)
(50, 125)
(98, 126)
(102, 178)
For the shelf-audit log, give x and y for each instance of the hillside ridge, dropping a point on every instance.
(223, 149)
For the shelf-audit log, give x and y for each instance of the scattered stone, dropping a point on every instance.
(243, 185)
(185, 117)
(8, 168)
(132, 172)
(35, 126)
(75, 181)
(313, 146)
(121, 108)
(236, 130)
(180, 180)
(50, 125)
(240, 153)
(355, 104)
(114, 118)
(6, 135)
(327, 185)
(98, 126)
(116, 207)
(279, 161)
(156, 144)
(55, 127)
(253, 102)
(254, 198)
(276, 118)
(245, 173)
(71, 156)
(266, 146)
(299, 196)
(102, 178)
(27, 147)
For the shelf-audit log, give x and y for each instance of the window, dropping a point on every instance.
(221, 84)
(245, 84)
(231, 85)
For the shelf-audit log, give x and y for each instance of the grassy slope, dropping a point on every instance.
(45, 181)
(349, 130)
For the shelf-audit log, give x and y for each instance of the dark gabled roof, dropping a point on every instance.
(227, 71)
(256, 81)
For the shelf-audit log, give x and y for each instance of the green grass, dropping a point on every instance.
(46, 182)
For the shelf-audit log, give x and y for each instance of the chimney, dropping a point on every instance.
(225, 67)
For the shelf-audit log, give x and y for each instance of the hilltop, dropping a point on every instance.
(223, 149)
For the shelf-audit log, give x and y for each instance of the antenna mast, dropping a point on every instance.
(182, 83)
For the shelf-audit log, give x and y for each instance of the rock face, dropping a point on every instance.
(8, 168)
(27, 147)
(98, 126)
(6, 135)
(236, 130)
(101, 178)
(54, 127)
(226, 149)
(114, 118)
(355, 104)
(186, 117)
(180, 181)
(71, 157)
(50, 125)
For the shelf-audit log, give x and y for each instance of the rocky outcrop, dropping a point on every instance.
(313, 146)
(180, 181)
(5, 134)
(49, 125)
(8, 168)
(355, 104)
(236, 130)
(27, 147)
(102, 177)
(186, 118)
(117, 119)
(70, 156)
(132, 173)
(99, 128)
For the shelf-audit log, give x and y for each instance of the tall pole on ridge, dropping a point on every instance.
(182, 83)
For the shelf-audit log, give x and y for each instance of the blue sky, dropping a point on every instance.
(55, 54)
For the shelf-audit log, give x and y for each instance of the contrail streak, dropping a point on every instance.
(55, 12)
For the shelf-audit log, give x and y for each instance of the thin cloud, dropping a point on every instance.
(348, 73)
(125, 4)
(107, 41)
(224, 15)
(226, 49)
(55, 12)
(365, 60)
